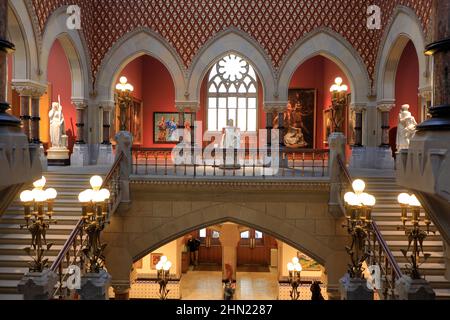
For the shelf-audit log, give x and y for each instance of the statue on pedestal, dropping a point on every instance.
(406, 128)
(231, 139)
(58, 154)
(56, 118)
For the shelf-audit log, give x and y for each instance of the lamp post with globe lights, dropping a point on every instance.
(36, 222)
(416, 236)
(94, 214)
(124, 99)
(294, 269)
(359, 207)
(338, 100)
(163, 273)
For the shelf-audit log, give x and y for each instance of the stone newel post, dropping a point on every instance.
(80, 155)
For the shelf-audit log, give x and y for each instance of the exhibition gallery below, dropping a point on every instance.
(227, 150)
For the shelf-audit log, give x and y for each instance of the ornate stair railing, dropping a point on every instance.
(381, 254)
(71, 253)
(251, 162)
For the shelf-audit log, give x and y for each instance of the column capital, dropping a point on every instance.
(187, 106)
(121, 286)
(275, 106)
(79, 103)
(426, 93)
(29, 88)
(358, 107)
(107, 105)
(385, 106)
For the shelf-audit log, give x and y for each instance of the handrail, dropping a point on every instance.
(390, 259)
(78, 231)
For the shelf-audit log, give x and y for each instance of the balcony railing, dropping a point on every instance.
(287, 163)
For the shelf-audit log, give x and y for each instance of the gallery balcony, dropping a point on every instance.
(219, 163)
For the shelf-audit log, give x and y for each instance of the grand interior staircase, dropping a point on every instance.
(67, 211)
(387, 215)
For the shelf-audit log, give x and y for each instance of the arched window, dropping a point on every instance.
(232, 94)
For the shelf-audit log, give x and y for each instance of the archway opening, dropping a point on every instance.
(153, 105)
(309, 88)
(204, 259)
(406, 89)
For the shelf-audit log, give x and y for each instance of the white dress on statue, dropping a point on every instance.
(56, 125)
(406, 128)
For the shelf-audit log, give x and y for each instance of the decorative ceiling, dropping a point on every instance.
(189, 24)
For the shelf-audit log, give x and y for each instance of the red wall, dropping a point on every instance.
(59, 75)
(406, 84)
(318, 73)
(153, 85)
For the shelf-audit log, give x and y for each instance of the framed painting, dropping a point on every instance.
(154, 259)
(165, 126)
(300, 119)
(307, 263)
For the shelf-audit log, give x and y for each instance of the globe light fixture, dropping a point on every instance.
(294, 268)
(38, 215)
(414, 232)
(94, 205)
(163, 272)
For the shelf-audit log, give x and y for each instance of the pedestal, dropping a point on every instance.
(105, 155)
(38, 285)
(384, 159)
(355, 289)
(80, 155)
(58, 156)
(95, 286)
(414, 289)
(358, 158)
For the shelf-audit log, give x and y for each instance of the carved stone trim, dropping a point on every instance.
(358, 108)
(235, 185)
(29, 88)
(385, 107)
(278, 106)
(186, 106)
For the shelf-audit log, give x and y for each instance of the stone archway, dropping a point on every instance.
(333, 46)
(21, 33)
(404, 27)
(140, 42)
(231, 41)
(74, 48)
(161, 212)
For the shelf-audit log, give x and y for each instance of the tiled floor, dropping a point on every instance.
(207, 285)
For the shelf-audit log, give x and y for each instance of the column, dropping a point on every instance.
(358, 109)
(106, 126)
(269, 126)
(35, 118)
(385, 112)
(80, 154)
(229, 238)
(281, 125)
(180, 124)
(25, 97)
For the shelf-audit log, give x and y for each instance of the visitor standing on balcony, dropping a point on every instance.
(193, 245)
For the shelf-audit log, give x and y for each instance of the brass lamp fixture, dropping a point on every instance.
(38, 220)
(416, 236)
(94, 204)
(163, 271)
(359, 207)
(295, 269)
(124, 99)
(338, 100)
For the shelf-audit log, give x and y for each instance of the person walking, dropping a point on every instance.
(193, 245)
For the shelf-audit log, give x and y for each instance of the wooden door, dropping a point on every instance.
(254, 248)
(210, 251)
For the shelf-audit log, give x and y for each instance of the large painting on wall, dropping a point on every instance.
(165, 126)
(299, 119)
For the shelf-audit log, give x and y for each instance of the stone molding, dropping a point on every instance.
(187, 106)
(29, 88)
(385, 107)
(358, 107)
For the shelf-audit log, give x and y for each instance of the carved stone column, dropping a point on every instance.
(80, 154)
(359, 116)
(35, 116)
(385, 109)
(229, 238)
(25, 98)
(269, 127)
(105, 156)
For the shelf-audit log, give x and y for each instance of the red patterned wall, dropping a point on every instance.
(188, 24)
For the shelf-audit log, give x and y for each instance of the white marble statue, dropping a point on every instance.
(406, 128)
(231, 137)
(57, 131)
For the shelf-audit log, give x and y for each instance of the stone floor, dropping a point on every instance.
(207, 285)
